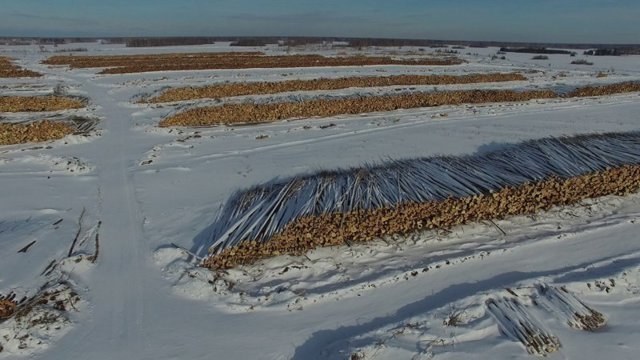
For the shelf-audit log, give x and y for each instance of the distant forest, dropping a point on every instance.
(537, 48)
(614, 51)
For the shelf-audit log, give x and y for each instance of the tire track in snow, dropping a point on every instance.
(115, 287)
(415, 119)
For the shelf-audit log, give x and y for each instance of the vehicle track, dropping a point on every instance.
(412, 119)
(117, 315)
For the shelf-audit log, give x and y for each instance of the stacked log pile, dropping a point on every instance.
(231, 60)
(99, 61)
(399, 198)
(33, 132)
(39, 103)
(8, 306)
(569, 308)
(248, 113)
(9, 70)
(256, 88)
(359, 226)
(619, 88)
(261, 113)
(518, 324)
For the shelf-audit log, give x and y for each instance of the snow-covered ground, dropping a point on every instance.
(142, 199)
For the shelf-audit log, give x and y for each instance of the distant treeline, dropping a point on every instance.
(604, 49)
(536, 50)
(60, 41)
(396, 42)
(57, 41)
(350, 42)
(284, 41)
(72, 50)
(169, 41)
(254, 42)
(614, 51)
(387, 42)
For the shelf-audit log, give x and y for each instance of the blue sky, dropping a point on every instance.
(613, 21)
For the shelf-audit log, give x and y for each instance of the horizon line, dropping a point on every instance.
(445, 41)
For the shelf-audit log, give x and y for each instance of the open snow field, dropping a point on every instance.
(116, 219)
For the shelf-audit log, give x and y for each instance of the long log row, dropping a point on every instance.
(617, 88)
(212, 61)
(98, 61)
(9, 70)
(40, 103)
(33, 132)
(255, 88)
(362, 204)
(230, 114)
